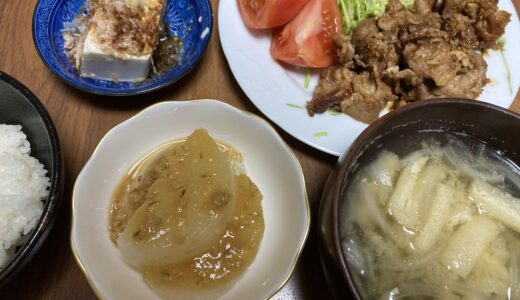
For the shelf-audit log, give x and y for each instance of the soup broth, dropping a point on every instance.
(441, 221)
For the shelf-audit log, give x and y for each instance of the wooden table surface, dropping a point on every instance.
(82, 119)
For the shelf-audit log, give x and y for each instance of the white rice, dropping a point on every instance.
(23, 186)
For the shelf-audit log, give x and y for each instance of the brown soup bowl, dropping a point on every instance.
(496, 127)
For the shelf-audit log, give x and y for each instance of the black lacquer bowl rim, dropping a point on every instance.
(351, 155)
(50, 209)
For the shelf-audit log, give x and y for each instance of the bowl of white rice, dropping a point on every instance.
(31, 179)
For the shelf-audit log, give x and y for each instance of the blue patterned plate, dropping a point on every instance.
(190, 19)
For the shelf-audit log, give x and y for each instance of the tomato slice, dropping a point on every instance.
(262, 14)
(306, 41)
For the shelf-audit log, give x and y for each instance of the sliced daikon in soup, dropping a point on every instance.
(446, 226)
(187, 207)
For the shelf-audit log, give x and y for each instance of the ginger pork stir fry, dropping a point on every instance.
(409, 55)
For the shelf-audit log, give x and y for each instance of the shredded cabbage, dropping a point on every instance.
(355, 11)
(501, 41)
(408, 4)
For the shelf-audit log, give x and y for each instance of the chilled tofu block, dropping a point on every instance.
(99, 64)
(119, 39)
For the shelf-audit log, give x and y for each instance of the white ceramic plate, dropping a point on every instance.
(269, 162)
(276, 89)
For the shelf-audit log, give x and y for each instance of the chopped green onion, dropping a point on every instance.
(307, 79)
(334, 112)
(408, 4)
(320, 134)
(508, 74)
(295, 105)
(501, 41)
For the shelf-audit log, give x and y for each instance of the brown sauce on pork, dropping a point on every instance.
(410, 55)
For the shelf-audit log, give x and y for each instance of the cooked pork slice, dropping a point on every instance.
(468, 84)
(461, 32)
(396, 21)
(431, 59)
(458, 6)
(374, 48)
(487, 20)
(362, 96)
(410, 55)
(344, 49)
(490, 27)
(419, 92)
(335, 85)
(394, 6)
(415, 33)
(423, 7)
(369, 96)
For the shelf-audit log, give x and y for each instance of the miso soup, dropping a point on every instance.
(439, 222)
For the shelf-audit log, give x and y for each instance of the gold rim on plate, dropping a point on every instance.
(307, 205)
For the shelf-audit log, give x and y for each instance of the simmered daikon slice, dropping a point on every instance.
(402, 205)
(468, 243)
(143, 176)
(358, 211)
(439, 213)
(382, 173)
(131, 193)
(460, 213)
(209, 273)
(185, 211)
(499, 205)
(432, 175)
(490, 277)
(370, 215)
(514, 272)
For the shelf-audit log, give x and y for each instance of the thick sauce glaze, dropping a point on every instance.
(219, 264)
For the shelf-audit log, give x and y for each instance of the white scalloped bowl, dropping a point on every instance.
(269, 162)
